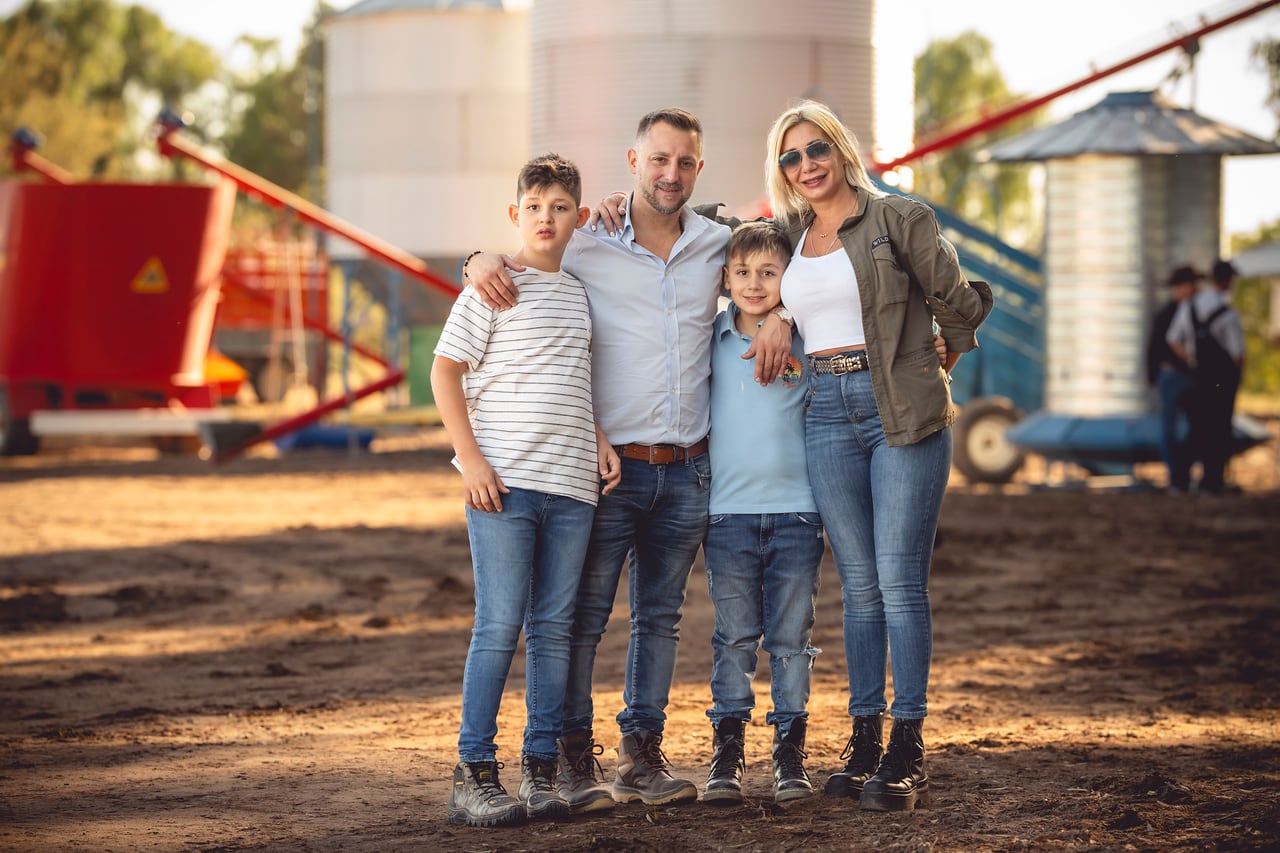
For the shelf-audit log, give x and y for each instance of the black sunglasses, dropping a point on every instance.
(818, 149)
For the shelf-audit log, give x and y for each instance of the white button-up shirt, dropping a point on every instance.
(651, 322)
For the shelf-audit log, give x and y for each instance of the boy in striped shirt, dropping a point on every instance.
(513, 388)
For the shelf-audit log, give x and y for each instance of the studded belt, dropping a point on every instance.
(841, 363)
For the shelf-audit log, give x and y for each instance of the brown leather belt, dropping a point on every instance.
(661, 454)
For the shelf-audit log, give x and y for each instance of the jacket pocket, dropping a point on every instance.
(893, 283)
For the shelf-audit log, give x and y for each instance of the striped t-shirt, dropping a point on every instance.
(528, 385)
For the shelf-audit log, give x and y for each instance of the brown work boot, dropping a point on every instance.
(643, 773)
(581, 776)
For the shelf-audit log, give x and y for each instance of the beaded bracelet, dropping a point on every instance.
(467, 261)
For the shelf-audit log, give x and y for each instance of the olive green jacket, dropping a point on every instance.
(908, 277)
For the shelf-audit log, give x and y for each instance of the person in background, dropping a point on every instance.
(764, 540)
(1170, 375)
(869, 276)
(1206, 332)
(653, 288)
(532, 461)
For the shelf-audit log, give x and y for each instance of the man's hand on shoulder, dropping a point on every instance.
(488, 275)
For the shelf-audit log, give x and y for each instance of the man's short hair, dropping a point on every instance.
(753, 238)
(541, 172)
(674, 116)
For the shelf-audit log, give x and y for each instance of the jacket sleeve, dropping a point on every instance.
(959, 306)
(712, 212)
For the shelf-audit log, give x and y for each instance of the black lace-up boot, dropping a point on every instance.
(790, 781)
(724, 783)
(900, 783)
(861, 756)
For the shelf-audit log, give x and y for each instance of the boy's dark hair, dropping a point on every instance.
(752, 238)
(674, 116)
(541, 172)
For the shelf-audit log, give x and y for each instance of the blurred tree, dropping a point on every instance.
(1268, 51)
(956, 82)
(1252, 298)
(278, 132)
(74, 70)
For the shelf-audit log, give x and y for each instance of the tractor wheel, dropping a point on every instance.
(15, 433)
(982, 452)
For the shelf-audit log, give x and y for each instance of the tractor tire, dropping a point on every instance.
(15, 433)
(982, 452)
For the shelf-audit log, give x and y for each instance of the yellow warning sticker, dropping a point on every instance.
(151, 278)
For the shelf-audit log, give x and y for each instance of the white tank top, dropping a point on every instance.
(822, 294)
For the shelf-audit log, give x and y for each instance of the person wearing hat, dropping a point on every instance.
(1206, 332)
(1170, 374)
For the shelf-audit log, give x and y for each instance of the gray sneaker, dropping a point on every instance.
(643, 773)
(581, 776)
(538, 790)
(478, 798)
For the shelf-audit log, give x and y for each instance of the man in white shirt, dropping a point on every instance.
(1206, 333)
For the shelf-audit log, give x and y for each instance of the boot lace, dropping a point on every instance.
(586, 766)
(486, 778)
(729, 755)
(861, 752)
(541, 773)
(790, 760)
(651, 751)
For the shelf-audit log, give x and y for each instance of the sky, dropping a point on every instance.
(1065, 42)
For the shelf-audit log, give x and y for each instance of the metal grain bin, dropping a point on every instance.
(1134, 188)
(736, 64)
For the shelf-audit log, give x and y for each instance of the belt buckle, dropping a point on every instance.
(652, 449)
(840, 365)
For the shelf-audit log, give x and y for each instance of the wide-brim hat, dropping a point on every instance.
(1185, 274)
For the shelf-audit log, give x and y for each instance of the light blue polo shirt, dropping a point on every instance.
(757, 433)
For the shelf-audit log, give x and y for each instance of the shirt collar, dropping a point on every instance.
(726, 323)
(691, 224)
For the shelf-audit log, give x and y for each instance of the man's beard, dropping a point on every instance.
(650, 195)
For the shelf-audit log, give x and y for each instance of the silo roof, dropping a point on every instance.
(1131, 123)
(374, 7)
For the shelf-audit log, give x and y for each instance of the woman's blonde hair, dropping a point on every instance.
(788, 205)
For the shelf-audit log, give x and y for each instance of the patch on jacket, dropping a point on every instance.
(883, 238)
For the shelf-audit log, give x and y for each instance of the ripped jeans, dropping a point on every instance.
(762, 572)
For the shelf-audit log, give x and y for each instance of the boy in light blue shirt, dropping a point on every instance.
(764, 540)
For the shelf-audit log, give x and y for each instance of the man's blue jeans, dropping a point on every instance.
(1174, 388)
(658, 516)
(880, 506)
(526, 560)
(762, 573)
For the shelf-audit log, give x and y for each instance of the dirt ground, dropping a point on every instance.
(268, 655)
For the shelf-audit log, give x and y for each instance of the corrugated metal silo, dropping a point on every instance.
(736, 64)
(1133, 189)
(427, 121)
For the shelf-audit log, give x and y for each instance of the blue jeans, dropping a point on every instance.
(1174, 388)
(657, 516)
(880, 506)
(527, 560)
(762, 572)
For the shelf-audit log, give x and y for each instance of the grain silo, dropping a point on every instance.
(427, 121)
(1133, 189)
(736, 64)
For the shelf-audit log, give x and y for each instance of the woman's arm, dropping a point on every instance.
(959, 306)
